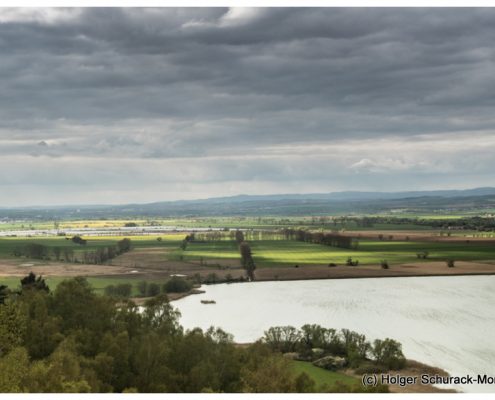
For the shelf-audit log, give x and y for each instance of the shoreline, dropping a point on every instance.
(412, 368)
(178, 296)
(419, 269)
(370, 277)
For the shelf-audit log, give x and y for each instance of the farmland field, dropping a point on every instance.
(155, 256)
(284, 252)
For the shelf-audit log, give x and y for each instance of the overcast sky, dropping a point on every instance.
(141, 105)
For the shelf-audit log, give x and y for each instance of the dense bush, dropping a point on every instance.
(177, 285)
(123, 290)
(352, 263)
(153, 289)
(79, 240)
(142, 288)
(388, 353)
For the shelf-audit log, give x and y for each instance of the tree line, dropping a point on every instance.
(232, 234)
(327, 239)
(247, 260)
(338, 349)
(100, 255)
(476, 223)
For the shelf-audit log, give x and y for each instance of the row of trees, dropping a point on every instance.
(247, 261)
(239, 236)
(352, 346)
(72, 340)
(482, 224)
(328, 239)
(186, 241)
(174, 285)
(122, 290)
(100, 255)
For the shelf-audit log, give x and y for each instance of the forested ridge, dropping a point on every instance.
(72, 340)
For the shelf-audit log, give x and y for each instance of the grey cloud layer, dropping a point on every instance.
(206, 96)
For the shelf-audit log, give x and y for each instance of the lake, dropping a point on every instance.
(447, 322)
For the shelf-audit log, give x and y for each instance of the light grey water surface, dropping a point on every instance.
(447, 322)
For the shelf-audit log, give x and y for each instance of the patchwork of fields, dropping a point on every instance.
(155, 257)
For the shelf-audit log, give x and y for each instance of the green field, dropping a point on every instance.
(268, 253)
(98, 283)
(322, 376)
(8, 244)
(265, 222)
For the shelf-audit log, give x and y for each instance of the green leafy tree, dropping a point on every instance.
(57, 251)
(148, 361)
(12, 327)
(61, 372)
(159, 315)
(124, 245)
(269, 375)
(4, 292)
(33, 282)
(239, 236)
(42, 334)
(388, 353)
(153, 289)
(142, 288)
(118, 347)
(14, 370)
(82, 312)
(247, 261)
(357, 347)
(177, 285)
(282, 338)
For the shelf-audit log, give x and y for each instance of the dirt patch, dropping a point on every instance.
(374, 271)
(145, 259)
(220, 262)
(415, 368)
(59, 269)
(166, 268)
(412, 369)
(152, 263)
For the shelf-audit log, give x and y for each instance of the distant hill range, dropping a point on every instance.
(352, 195)
(350, 202)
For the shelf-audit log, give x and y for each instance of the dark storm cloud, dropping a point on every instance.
(195, 91)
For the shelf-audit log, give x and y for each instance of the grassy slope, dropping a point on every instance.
(322, 376)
